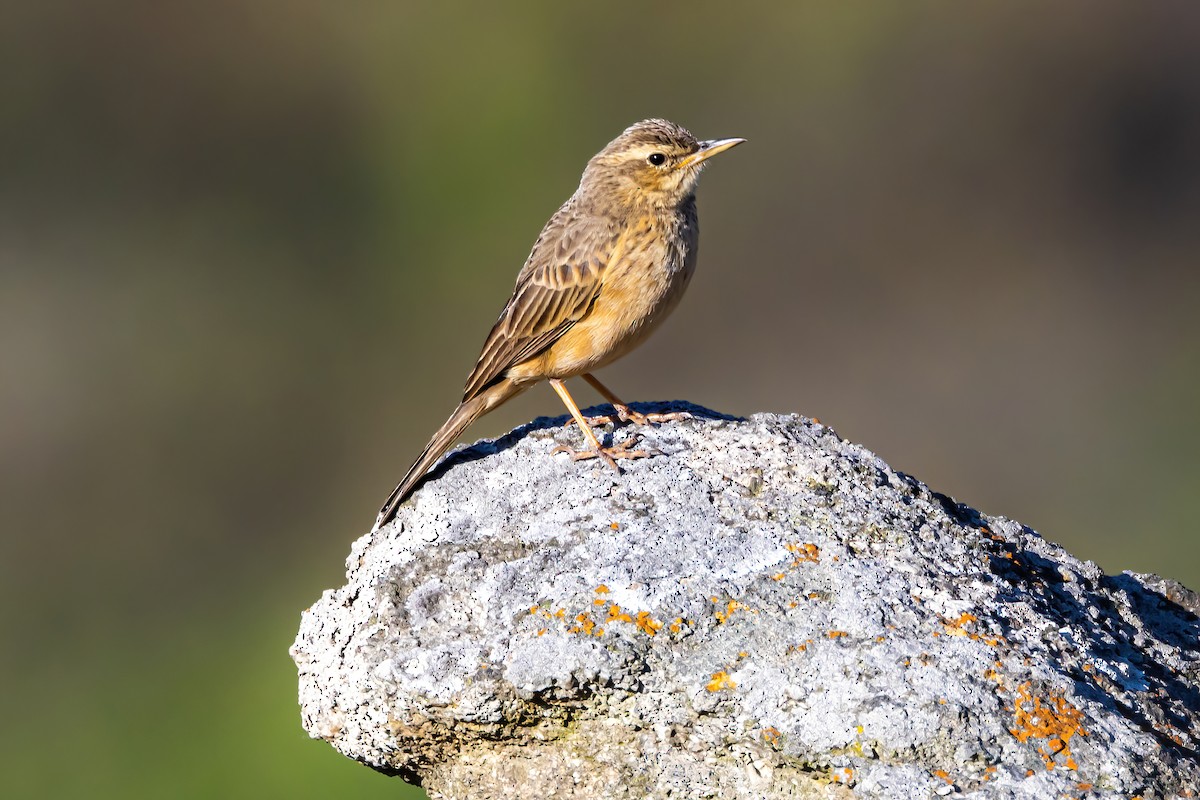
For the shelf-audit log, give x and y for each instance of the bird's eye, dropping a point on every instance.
(657, 159)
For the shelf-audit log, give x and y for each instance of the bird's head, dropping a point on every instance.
(652, 162)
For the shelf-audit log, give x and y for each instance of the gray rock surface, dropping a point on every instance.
(764, 611)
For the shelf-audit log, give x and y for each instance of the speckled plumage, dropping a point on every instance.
(608, 267)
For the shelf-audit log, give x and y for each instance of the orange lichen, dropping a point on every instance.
(958, 627)
(836, 634)
(586, 624)
(615, 614)
(720, 680)
(730, 607)
(1056, 721)
(646, 624)
(676, 626)
(771, 735)
(602, 589)
(778, 576)
(941, 773)
(807, 552)
(545, 613)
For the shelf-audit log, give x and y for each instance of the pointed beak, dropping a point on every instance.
(708, 150)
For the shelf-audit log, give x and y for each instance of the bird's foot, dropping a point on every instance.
(626, 414)
(609, 455)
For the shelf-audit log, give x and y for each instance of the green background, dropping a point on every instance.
(248, 252)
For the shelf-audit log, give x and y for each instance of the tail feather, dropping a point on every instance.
(463, 416)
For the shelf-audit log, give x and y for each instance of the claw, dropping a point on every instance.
(597, 422)
(608, 455)
(626, 414)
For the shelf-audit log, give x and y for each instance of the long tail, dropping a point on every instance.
(463, 416)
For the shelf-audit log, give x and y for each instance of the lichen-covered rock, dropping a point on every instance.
(763, 611)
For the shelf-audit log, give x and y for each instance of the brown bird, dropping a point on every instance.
(609, 266)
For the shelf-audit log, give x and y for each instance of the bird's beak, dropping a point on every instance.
(708, 150)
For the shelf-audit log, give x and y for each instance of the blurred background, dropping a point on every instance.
(249, 251)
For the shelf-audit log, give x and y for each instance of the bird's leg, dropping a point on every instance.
(608, 454)
(624, 412)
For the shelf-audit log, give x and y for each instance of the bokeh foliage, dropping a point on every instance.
(248, 252)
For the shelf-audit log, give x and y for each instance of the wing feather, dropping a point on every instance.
(555, 289)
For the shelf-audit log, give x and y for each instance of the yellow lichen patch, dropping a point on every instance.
(799, 648)
(958, 627)
(720, 680)
(586, 626)
(730, 607)
(807, 552)
(778, 576)
(836, 634)
(542, 631)
(649, 626)
(545, 613)
(602, 589)
(599, 601)
(1056, 721)
(615, 614)
(615, 526)
(676, 626)
(771, 735)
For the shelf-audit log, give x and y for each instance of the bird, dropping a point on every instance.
(607, 269)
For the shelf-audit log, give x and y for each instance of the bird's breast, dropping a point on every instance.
(640, 288)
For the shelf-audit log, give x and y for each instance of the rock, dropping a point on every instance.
(763, 611)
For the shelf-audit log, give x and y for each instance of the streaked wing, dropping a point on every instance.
(555, 289)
